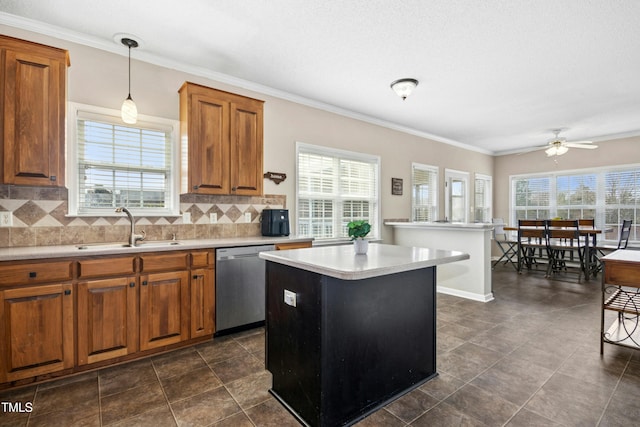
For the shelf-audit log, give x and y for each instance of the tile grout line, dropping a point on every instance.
(606, 406)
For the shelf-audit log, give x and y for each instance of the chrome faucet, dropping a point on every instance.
(133, 237)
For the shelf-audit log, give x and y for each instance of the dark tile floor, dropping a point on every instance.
(529, 358)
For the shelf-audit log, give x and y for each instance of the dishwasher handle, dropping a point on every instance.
(237, 256)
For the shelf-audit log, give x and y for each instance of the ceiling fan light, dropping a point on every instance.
(404, 87)
(561, 150)
(551, 151)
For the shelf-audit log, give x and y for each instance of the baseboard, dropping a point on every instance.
(464, 294)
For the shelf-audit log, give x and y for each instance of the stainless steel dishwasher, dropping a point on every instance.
(240, 287)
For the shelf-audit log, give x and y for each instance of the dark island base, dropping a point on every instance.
(349, 346)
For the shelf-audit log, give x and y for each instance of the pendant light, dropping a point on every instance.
(129, 110)
(404, 87)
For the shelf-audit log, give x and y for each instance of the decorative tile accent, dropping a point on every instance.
(40, 218)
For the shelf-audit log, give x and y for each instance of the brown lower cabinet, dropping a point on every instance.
(106, 310)
(107, 319)
(36, 330)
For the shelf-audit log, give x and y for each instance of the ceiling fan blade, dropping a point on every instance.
(580, 145)
(529, 150)
(579, 142)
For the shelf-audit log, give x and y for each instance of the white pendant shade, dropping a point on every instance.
(129, 111)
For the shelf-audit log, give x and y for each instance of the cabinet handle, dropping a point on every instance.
(144, 283)
(196, 276)
(234, 188)
(132, 284)
(32, 274)
(52, 178)
(67, 292)
(195, 187)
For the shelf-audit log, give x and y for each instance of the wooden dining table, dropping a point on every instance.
(590, 235)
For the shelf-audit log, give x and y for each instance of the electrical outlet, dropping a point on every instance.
(290, 298)
(186, 218)
(6, 219)
(213, 218)
(247, 217)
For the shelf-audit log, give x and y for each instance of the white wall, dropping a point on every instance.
(98, 77)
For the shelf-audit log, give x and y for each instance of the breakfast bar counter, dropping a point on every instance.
(346, 334)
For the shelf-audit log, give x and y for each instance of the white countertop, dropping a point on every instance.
(342, 263)
(473, 226)
(61, 251)
(623, 255)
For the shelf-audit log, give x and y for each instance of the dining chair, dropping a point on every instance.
(508, 247)
(531, 243)
(563, 244)
(623, 241)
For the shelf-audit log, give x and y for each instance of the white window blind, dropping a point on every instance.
(335, 187)
(622, 200)
(609, 195)
(576, 196)
(123, 165)
(531, 198)
(483, 198)
(424, 192)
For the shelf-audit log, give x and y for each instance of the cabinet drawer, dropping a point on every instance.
(105, 267)
(165, 261)
(622, 273)
(292, 245)
(37, 272)
(201, 259)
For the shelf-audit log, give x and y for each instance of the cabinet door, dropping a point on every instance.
(209, 145)
(34, 117)
(107, 319)
(36, 330)
(246, 147)
(164, 309)
(202, 302)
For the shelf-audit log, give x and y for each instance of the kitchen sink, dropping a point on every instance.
(95, 246)
(149, 244)
(156, 243)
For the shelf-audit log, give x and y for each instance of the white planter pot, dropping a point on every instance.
(361, 246)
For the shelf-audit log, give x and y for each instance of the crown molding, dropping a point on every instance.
(109, 46)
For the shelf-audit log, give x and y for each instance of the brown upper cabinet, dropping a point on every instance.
(32, 101)
(222, 141)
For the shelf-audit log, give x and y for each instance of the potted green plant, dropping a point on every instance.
(358, 230)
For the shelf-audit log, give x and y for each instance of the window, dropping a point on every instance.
(530, 198)
(112, 164)
(608, 195)
(482, 198)
(424, 192)
(334, 188)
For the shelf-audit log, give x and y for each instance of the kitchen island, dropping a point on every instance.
(346, 334)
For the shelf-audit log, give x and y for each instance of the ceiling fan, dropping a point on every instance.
(557, 146)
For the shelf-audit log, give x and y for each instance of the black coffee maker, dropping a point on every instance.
(275, 222)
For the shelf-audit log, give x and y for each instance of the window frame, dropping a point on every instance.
(337, 218)
(487, 195)
(79, 111)
(433, 208)
(600, 206)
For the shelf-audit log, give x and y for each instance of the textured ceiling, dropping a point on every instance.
(495, 75)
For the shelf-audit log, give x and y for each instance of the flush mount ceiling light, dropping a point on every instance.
(129, 110)
(404, 87)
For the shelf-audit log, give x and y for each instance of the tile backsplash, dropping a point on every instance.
(40, 218)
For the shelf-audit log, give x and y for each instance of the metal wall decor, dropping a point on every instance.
(276, 177)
